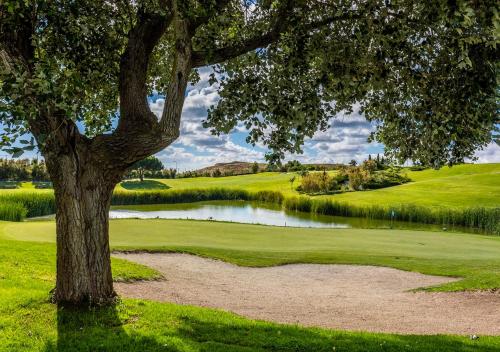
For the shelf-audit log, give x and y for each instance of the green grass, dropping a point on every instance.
(12, 211)
(461, 186)
(143, 185)
(475, 258)
(273, 181)
(28, 322)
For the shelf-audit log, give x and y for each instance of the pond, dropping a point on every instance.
(254, 213)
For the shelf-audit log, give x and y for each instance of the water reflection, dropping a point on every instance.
(253, 213)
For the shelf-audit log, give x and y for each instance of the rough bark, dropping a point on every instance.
(83, 188)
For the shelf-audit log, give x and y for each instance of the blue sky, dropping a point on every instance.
(346, 139)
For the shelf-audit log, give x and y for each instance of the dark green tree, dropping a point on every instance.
(151, 163)
(39, 171)
(424, 71)
(255, 167)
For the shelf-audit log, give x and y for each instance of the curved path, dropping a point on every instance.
(334, 296)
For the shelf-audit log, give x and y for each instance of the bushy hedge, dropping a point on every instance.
(16, 206)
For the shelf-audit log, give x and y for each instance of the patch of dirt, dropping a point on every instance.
(346, 297)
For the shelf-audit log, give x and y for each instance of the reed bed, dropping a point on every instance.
(35, 203)
(16, 206)
(12, 211)
(177, 196)
(486, 220)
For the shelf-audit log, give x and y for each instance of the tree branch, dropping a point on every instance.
(134, 108)
(204, 58)
(220, 5)
(139, 133)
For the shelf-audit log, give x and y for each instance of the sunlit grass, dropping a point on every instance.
(476, 258)
(28, 322)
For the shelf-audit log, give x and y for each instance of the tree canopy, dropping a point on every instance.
(151, 163)
(425, 72)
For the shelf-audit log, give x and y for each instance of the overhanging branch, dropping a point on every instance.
(205, 58)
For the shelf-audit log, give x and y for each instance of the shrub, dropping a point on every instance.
(35, 203)
(177, 196)
(358, 177)
(319, 182)
(387, 178)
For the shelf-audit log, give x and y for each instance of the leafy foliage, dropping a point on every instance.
(23, 170)
(151, 163)
(424, 72)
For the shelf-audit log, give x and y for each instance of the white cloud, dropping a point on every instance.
(196, 147)
(490, 154)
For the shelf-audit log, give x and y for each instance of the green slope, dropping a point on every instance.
(467, 185)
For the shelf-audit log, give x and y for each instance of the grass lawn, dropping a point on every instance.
(458, 186)
(253, 182)
(476, 258)
(137, 185)
(28, 322)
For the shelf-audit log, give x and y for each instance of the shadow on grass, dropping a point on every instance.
(143, 185)
(175, 328)
(97, 330)
(269, 337)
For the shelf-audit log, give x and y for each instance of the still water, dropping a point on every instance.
(253, 213)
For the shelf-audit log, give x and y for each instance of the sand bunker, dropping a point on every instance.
(347, 297)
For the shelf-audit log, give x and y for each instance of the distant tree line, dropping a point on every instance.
(23, 170)
(362, 176)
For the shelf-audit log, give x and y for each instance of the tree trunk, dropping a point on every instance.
(83, 193)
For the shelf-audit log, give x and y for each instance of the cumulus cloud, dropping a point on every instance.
(344, 140)
(490, 154)
(196, 146)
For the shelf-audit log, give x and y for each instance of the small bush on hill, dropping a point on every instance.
(320, 183)
(417, 168)
(386, 178)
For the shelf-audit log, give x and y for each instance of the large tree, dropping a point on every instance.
(151, 163)
(424, 71)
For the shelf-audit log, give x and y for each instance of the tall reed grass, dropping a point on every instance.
(177, 196)
(15, 206)
(486, 220)
(12, 211)
(35, 203)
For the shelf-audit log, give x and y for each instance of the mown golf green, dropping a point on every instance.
(476, 258)
(29, 322)
(468, 185)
